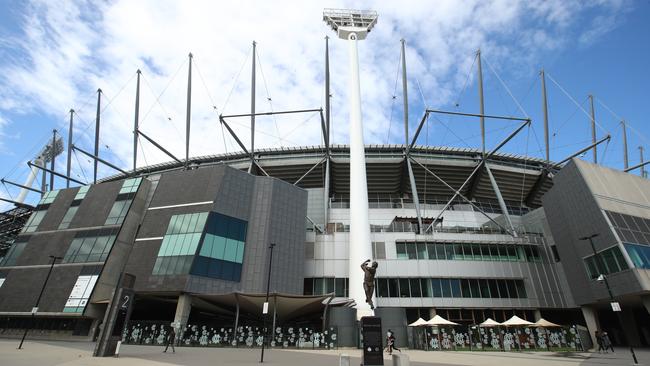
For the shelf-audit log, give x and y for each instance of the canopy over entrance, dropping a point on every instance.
(282, 306)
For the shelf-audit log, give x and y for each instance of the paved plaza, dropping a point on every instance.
(42, 353)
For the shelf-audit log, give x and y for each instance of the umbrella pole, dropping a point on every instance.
(469, 333)
(548, 340)
(518, 340)
(439, 342)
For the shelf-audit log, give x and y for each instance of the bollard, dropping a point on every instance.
(401, 360)
(117, 349)
(344, 360)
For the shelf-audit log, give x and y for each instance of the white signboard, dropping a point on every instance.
(616, 306)
(81, 291)
(2, 280)
(265, 309)
(34, 310)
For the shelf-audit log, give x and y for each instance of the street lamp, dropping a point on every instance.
(265, 309)
(38, 300)
(600, 266)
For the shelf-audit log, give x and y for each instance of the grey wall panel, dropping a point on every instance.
(57, 209)
(186, 186)
(122, 247)
(573, 212)
(22, 286)
(97, 204)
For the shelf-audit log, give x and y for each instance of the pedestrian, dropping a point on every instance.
(390, 342)
(599, 340)
(169, 341)
(607, 343)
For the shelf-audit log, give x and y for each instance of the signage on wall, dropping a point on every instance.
(80, 294)
(616, 306)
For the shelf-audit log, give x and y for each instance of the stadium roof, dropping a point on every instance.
(518, 177)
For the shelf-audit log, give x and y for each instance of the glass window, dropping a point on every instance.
(458, 252)
(476, 252)
(449, 251)
(431, 251)
(440, 251)
(425, 286)
(503, 289)
(339, 285)
(415, 287)
(401, 250)
(308, 286)
(48, 197)
(118, 212)
(521, 289)
(382, 287)
(410, 251)
(618, 256)
(446, 287)
(485, 289)
(455, 287)
(81, 193)
(474, 286)
(464, 285)
(34, 220)
(512, 289)
(436, 287)
(393, 287)
(422, 250)
(67, 218)
(404, 287)
(639, 254)
(494, 288)
(12, 255)
(319, 286)
(512, 252)
(329, 285)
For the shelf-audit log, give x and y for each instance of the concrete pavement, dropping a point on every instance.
(42, 353)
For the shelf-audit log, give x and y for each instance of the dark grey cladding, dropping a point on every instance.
(275, 212)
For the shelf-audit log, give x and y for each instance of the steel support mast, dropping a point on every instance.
(354, 25)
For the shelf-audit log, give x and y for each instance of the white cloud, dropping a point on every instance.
(72, 48)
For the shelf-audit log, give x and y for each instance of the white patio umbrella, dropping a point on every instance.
(490, 323)
(438, 320)
(419, 323)
(516, 321)
(546, 324)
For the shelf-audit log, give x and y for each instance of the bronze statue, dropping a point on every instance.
(369, 280)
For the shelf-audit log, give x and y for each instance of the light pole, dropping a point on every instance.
(601, 269)
(35, 308)
(354, 25)
(266, 303)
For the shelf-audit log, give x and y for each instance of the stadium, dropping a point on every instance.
(202, 243)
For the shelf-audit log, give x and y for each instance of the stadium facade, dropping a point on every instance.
(197, 241)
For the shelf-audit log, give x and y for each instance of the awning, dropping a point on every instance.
(285, 306)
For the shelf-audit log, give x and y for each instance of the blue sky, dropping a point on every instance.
(54, 56)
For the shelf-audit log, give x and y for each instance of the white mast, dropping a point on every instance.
(354, 25)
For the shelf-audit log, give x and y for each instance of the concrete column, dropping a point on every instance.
(537, 314)
(183, 308)
(646, 302)
(591, 319)
(432, 313)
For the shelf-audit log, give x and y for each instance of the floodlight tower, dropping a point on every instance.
(354, 25)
